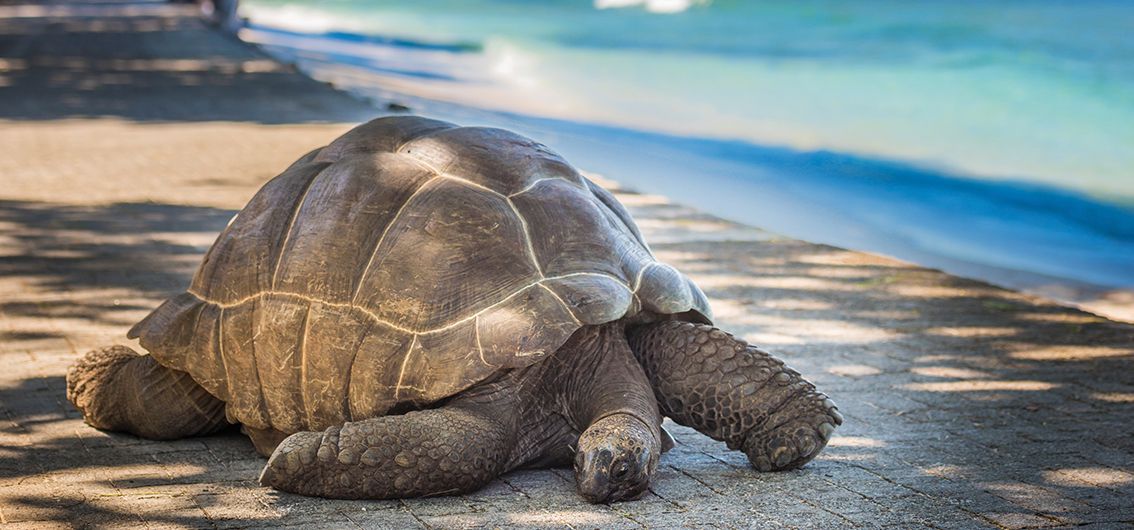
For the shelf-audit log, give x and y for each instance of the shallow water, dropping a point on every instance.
(992, 139)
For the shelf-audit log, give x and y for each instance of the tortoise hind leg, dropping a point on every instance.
(706, 379)
(118, 390)
(453, 449)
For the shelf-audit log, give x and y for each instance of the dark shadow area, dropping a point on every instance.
(27, 335)
(149, 249)
(51, 474)
(163, 65)
(142, 246)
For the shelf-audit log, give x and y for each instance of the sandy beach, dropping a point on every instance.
(132, 132)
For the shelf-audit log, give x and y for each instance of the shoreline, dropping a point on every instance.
(814, 206)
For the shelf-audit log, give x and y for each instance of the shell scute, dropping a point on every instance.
(237, 351)
(329, 349)
(425, 375)
(499, 160)
(356, 199)
(523, 327)
(380, 136)
(571, 233)
(242, 261)
(453, 251)
(280, 345)
(615, 209)
(593, 298)
(374, 374)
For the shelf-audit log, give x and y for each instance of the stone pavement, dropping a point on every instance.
(130, 133)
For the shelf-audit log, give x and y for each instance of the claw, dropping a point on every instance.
(826, 430)
(782, 455)
(807, 445)
(793, 444)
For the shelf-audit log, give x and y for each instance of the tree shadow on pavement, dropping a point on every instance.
(162, 67)
(93, 262)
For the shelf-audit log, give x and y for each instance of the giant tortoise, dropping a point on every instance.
(418, 308)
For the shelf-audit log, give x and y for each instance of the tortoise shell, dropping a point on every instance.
(401, 264)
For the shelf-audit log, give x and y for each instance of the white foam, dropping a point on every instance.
(510, 64)
(653, 6)
(298, 18)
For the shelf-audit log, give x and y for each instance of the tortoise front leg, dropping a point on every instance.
(709, 380)
(453, 449)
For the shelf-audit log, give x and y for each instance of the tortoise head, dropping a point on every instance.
(617, 456)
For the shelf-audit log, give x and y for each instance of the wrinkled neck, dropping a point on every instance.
(600, 377)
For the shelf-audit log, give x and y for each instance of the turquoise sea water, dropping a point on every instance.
(996, 132)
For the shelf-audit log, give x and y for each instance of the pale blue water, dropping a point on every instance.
(996, 133)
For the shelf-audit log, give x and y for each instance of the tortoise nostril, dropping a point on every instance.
(619, 470)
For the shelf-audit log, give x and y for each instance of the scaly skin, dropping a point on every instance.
(431, 452)
(118, 390)
(711, 381)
